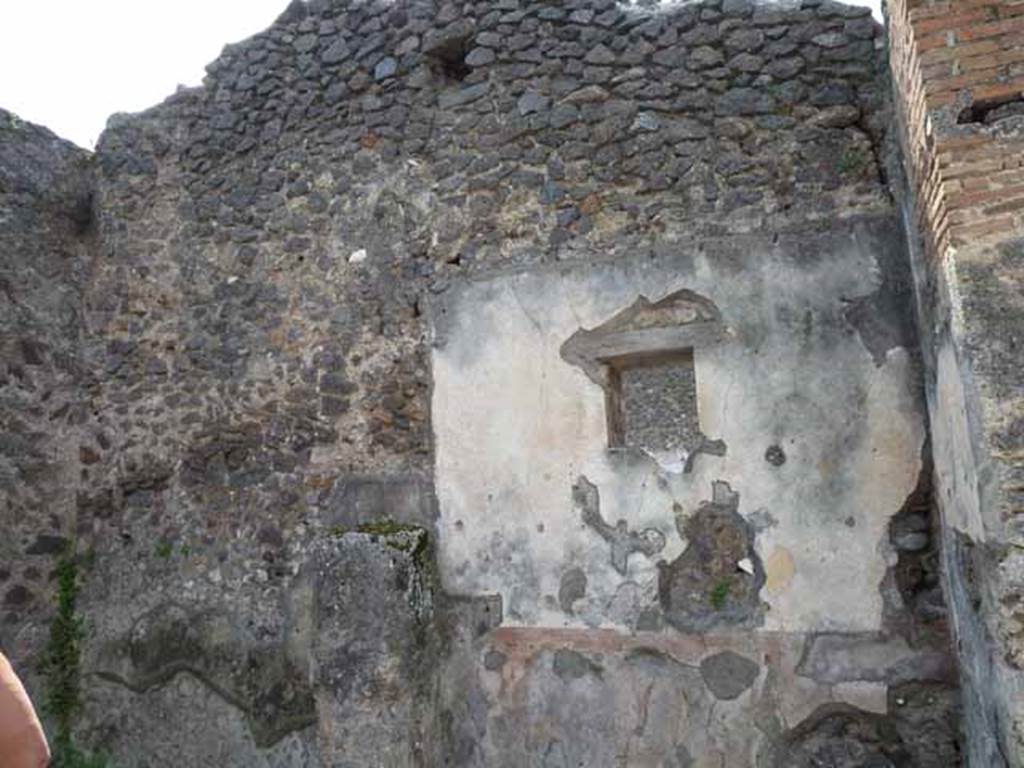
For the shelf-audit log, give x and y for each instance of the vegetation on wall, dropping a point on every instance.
(62, 670)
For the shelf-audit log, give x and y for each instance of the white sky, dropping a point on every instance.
(70, 64)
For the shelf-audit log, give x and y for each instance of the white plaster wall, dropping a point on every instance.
(515, 425)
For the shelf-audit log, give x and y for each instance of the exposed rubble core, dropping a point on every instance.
(957, 91)
(919, 730)
(378, 385)
(718, 578)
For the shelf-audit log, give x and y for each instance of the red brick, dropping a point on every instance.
(976, 77)
(963, 234)
(1014, 87)
(934, 41)
(955, 21)
(973, 185)
(991, 30)
(1010, 206)
(967, 199)
(959, 169)
(989, 60)
(938, 55)
(941, 9)
(961, 143)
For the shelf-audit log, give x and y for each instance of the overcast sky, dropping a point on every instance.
(69, 64)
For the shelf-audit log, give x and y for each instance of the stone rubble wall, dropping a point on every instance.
(959, 88)
(45, 385)
(247, 454)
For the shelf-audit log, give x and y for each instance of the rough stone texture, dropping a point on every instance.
(373, 673)
(919, 730)
(656, 699)
(229, 342)
(957, 83)
(706, 586)
(659, 405)
(847, 658)
(517, 425)
(47, 422)
(728, 674)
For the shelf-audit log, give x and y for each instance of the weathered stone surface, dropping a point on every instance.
(621, 541)
(507, 312)
(744, 101)
(573, 587)
(570, 665)
(225, 348)
(531, 102)
(261, 680)
(918, 730)
(847, 658)
(480, 57)
(373, 666)
(727, 674)
(359, 500)
(705, 586)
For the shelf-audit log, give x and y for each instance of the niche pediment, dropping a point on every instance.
(643, 359)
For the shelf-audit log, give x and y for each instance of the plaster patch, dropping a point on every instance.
(516, 425)
(779, 569)
(622, 541)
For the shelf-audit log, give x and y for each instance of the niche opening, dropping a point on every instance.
(651, 402)
(643, 359)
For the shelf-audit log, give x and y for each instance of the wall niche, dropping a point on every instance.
(643, 359)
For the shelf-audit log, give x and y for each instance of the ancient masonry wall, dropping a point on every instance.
(959, 83)
(45, 236)
(483, 384)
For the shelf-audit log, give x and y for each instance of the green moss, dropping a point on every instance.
(337, 530)
(164, 549)
(62, 654)
(73, 757)
(418, 546)
(13, 122)
(62, 670)
(387, 528)
(720, 594)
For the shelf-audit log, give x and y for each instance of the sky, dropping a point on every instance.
(70, 64)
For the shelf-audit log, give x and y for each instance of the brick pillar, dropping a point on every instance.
(958, 76)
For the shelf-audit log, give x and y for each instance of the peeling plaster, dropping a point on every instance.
(516, 425)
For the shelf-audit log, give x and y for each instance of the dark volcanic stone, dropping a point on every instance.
(531, 102)
(705, 587)
(920, 730)
(744, 101)
(570, 665)
(47, 545)
(336, 52)
(728, 674)
(17, 595)
(572, 587)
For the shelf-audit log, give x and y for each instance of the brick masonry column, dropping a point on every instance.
(958, 77)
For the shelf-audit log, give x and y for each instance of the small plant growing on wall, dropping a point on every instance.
(720, 594)
(62, 672)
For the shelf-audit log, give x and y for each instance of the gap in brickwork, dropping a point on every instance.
(992, 111)
(449, 60)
